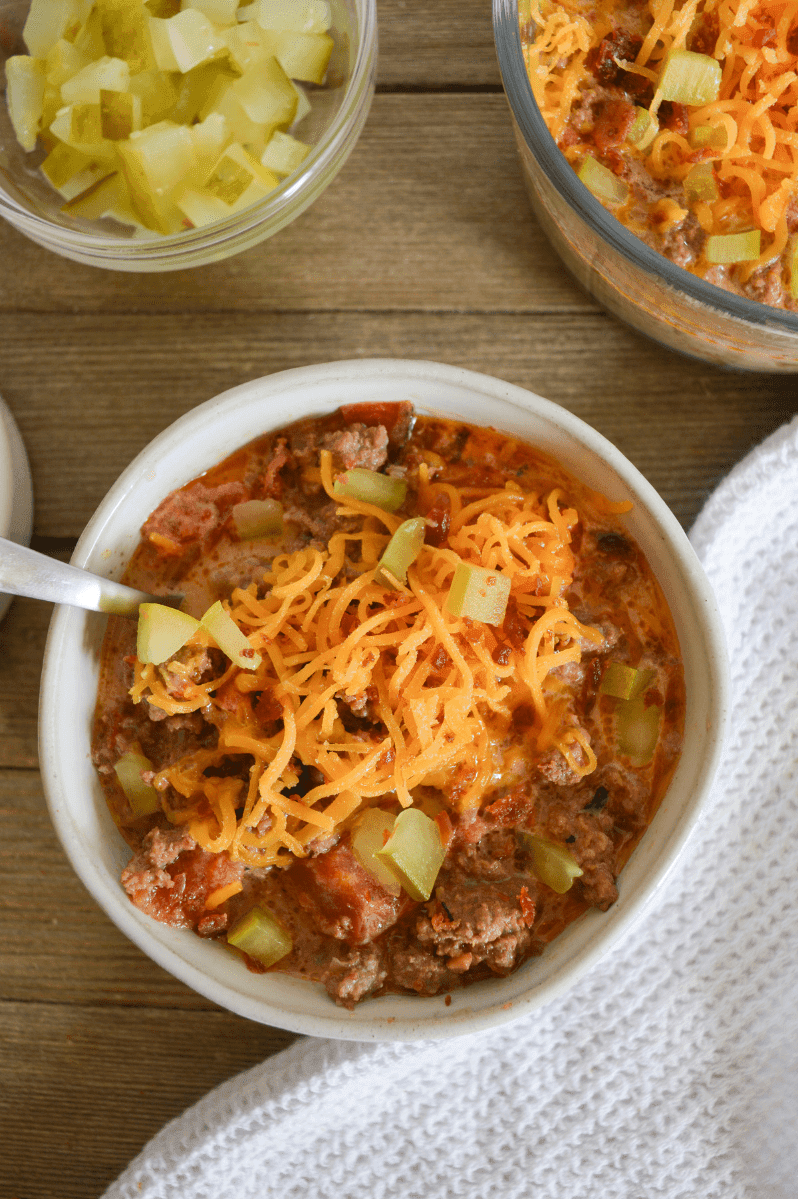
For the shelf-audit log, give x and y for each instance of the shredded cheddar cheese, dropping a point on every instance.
(441, 690)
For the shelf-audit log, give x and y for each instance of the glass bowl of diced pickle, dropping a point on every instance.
(152, 135)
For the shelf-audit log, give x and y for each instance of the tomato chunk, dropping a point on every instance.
(345, 901)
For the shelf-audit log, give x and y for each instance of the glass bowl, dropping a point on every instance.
(339, 110)
(631, 280)
(195, 443)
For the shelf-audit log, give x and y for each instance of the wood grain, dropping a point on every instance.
(429, 212)
(444, 44)
(682, 425)
(82, 1088)
(55, 942)
(423, 247)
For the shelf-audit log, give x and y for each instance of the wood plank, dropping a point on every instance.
(83, 1089)
(56, 944)
(428, 213)
(22, 637)
(684, 425)
(684, 428)
(446, 44)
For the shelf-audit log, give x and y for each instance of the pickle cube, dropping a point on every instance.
(304, 56)
(183, 41)
(142, 797)
(284, 153)
(110, 74)
(553, 864)
(266, 94)
(229, 637)
(63, 61)
(478, 593)
(160, 155)
(126, 32)
(239, 179)
(120, 114)
(261, 936)
(414, 853)
(369, 837)
(50, 20)
(25, 83)
(162, 631)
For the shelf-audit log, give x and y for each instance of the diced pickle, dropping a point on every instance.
(644, 129)
(49, 20)
(553, 864)
(62, 62)
(414, 853)
(371, 487)
(89, 40)
(142, 797)
(98, 199)
(266, 94)
(257, 518)
(162, 154)
(284, 153)
(478, 593)
(238, 178)
(703, 136)
(184, 41)
(162, 631)
(690, 78)
(302, 16)
(304, 56)
(261, 936)
(110, 74)
(601, 182)
(158, 92)
(64, 163)
(229, 637)
(369, 836)
(624, 682)
(25, 83)
(221, 12)
(126, 33)
(229, 180)
(701, 183)
(193, 89)
(248, 44)
(404, 546)
(637, 730)
(734, 247)
(201, 208)
(120, 114)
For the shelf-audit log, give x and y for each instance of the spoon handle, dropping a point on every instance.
(25, 572)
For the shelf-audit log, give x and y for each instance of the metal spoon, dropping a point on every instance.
(25, 572)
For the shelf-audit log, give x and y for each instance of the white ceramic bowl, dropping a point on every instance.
(196, 442)
(16, 492)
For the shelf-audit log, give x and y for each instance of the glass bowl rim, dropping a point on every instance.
(508, 45)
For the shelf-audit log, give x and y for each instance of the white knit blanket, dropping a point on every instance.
(668, 1072)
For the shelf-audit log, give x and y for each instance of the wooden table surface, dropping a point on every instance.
(423, 247)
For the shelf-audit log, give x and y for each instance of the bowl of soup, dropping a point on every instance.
(439, 706)
(651, 202)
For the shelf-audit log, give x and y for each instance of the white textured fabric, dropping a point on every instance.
(669, 1072)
